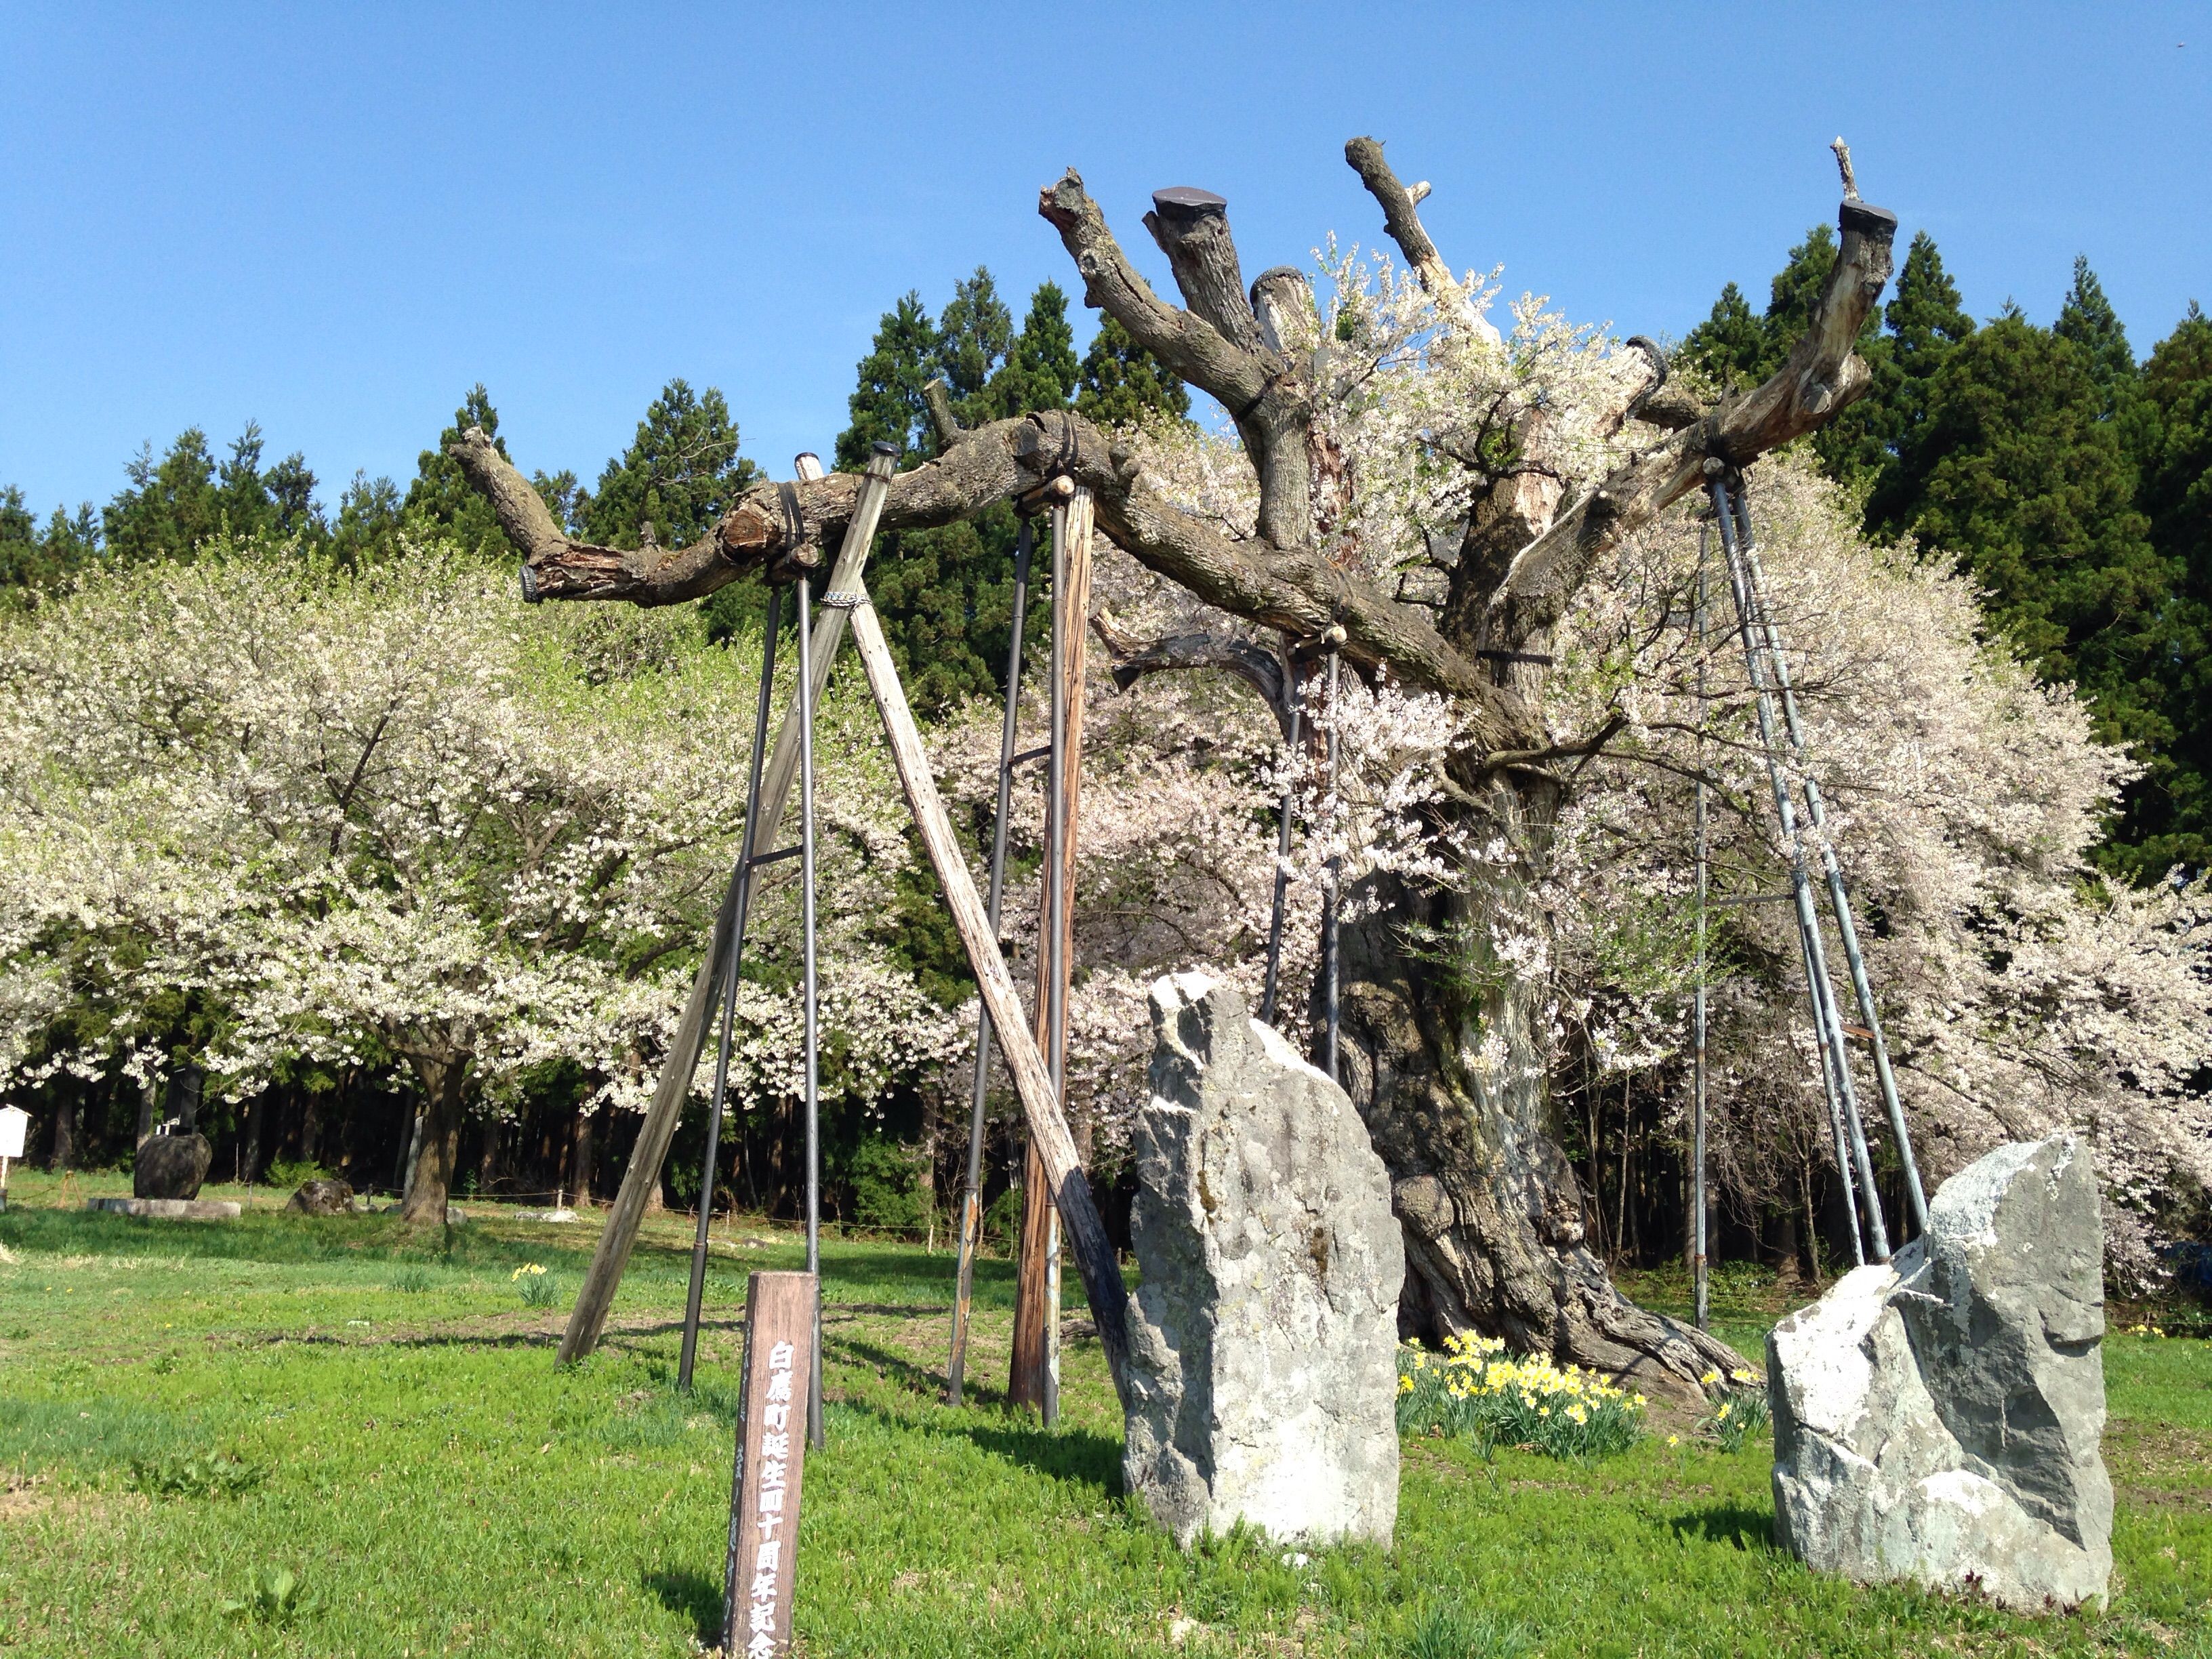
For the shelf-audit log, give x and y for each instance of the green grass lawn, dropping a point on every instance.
(188, 1409)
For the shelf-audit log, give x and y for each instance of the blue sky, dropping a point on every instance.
(334, 220)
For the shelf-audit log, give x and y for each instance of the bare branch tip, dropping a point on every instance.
(1843, 166)
(936, 396)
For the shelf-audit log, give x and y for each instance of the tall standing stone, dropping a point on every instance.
(1262, 1381)
(1937, 1418)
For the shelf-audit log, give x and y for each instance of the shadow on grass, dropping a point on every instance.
(1063, 1454)
(919, 1379)
(1746, 1526)
(695, 1595)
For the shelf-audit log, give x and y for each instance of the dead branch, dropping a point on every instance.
(937, 397)
(774, 525)
(1404, 224)
(1216, 345)
(1581, 749)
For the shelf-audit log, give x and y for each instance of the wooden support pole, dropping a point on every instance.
(1033, 1378)
(641, 1181)
(1070, 1188)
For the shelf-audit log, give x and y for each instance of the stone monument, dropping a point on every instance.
(1937, 1418)
(1262, 1376)
(171, 1166)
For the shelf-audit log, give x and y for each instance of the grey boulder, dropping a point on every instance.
(323, 1198)
(1263, 1377)
(1937, 1419)
(171, 1166)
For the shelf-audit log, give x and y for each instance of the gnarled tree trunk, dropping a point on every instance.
(1446, 1036)
(1445, 1051)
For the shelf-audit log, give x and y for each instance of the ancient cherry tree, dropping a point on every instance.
(1436, 537)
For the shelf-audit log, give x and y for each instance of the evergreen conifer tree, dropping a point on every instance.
(172, 505)
(945, 595)
(1926, 321)
(367, 529)
(887, 405)
(2032, 489)
(2176, 495)
(2087, 318)
(1122, 384)
(1731, 344)
(679, 475)
(23, 568)
(72, 539)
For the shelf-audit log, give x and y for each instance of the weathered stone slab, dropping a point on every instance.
(1938, 1419)
(171, 1166)
(1263, 1336)
(170, 1209)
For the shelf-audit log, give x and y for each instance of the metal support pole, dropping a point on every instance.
(1828, 1021)
(1699, 1269)
(971, 1205)
(1838, 899)
(747, 846)
(808, 998)
(1283, 840)
(1330, 986)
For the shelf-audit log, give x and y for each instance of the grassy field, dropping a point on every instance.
(281, 1436)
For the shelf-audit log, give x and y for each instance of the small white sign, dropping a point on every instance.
(15, 1125)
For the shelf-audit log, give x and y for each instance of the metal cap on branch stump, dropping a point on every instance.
(1189, 201)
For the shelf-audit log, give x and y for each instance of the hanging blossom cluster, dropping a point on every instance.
(299, 813)
(1175, 865)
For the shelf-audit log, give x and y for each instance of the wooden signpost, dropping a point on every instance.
(760, 1571)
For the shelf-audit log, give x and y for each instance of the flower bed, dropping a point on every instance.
(1474, 1388)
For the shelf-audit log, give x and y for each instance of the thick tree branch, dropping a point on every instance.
(1215, 345)
(937, 397)
(774, 526)
(1821, 376)
(1134, 659)
(1192, 227)
(1195, 349)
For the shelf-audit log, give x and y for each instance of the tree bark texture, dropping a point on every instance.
(1445, 1046)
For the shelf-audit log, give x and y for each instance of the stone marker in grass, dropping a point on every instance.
(323, 1197)
(170, 1209)
(1936, 1418)
(171, 1166)
(1263, 1370)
